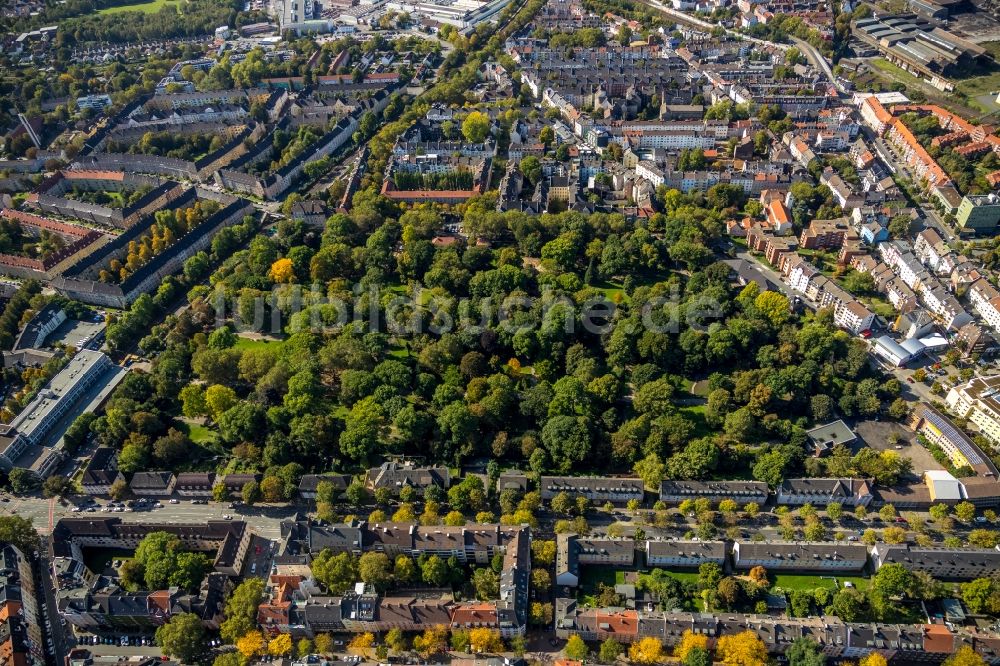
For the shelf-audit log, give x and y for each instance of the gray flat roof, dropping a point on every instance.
(836, 432)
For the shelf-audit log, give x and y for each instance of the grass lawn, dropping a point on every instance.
(801, 582)
(256, 343)
(881, 307)
(150, 7)
(696, 413)
(401, 353)
(684, 576)
(593, 576)
(199, 434)
(889, 72)
(611, 290)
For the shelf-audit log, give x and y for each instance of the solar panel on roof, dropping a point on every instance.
(955, 436)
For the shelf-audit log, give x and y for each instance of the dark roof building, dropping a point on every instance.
(941, 563)
(309, 482)
(795, 556)
(152, 484)
(594, 488)
(672, 490)
(101, 472)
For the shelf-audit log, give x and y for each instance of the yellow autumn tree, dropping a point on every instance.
(433, 640)
(280, 645)
(743, 649)
(647, 651)
(688, 642)
(362, 643)
(251, 644)
(873, 659)
(965, 656)
(483, 639)
(282, 271)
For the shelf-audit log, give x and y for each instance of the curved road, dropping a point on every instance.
(807, 49)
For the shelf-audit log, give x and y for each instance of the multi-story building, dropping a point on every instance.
(101, 472)
(939, 430)
(979, 213)
(194, 484)
(574, 552)
(941, 563)
(985, 299)
(820, 492)
(826, 234)
(853, 316)
(794, 556)
(21, 642)
(152, 484)
(31, 439)
(672, 490)
(617, 490)
(685, 554)
(395, 475)
(977, 400)
(836, 638)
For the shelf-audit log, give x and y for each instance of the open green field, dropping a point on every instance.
(889, 72)
(684, 576)
(696, 413)
(198, 433)
(800, 582)
(593, 576)
(150, 7)
(244, 344)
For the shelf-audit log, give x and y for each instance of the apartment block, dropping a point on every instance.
(804, 557)
(597, 489)
(820, 492)
(978, 401)
(942, 563)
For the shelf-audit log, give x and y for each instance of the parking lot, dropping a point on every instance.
(78, 334)
(875, 434)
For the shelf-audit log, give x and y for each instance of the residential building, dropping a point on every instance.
(939, 430)
(820, 492)
(597, 489)
(194, 484)
(978, 401)
(101, 472)
(21, 616)
(853, 316)
(804, 557)
(309, 482)
(394, 475)
(673, 490)
(684, 554)
(152, 484)
(979, 214)
(941, 563)
(574, 552)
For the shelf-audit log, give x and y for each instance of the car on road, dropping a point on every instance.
(226, 516)
(175, 501)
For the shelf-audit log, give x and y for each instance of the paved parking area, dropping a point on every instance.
(876, 435)
(72, 331)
